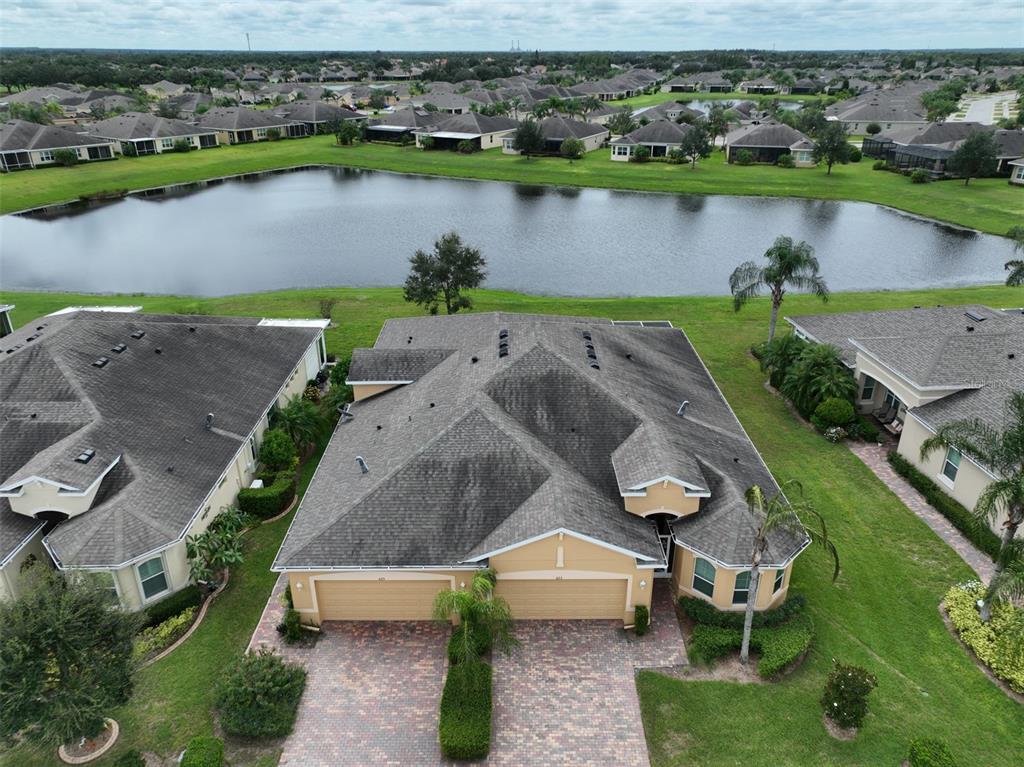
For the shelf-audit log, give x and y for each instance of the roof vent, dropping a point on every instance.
(587, 336)
(345, 412)
(593, 364)
(410, 340)
(98, 363)
(474, 360)
(503, 352)
(158, 350)
(191, 328)
(85, 456)
(209, 421)
(119, 348)
(682, 407)
(970, 328)
(1011, 356)
(138, 334)
(972, 315)
(170, 469)
(362, 464)
(503, 333)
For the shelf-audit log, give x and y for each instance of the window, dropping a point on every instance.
(261, 132)
(621, 151)
(951, 465)
(167, 143)
(108, 583)
(891, 400)
(704, 577)
(152, 577)
(253, 448)
(741, 589)
(46, 155)
(780, 576)
(868, 392)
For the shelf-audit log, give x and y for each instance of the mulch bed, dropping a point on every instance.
(81, 751)
(837, 732)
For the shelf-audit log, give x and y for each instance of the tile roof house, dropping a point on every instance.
(768, 141)
(241, 125)
(110, 455)
(922, 368)
(578, 457)
(141, 133)
(28, 145)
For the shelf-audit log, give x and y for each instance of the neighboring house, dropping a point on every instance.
(601, 114)
(888, 107)
(804, 85)
(141, 133)
(448, 103)
(768, 141)
(687, 84)
(5, 319)
(482, 131)
(400, 125)
(660, 137)
(187, 103)
(165, 89)
(579, 458)
(555, 130)
(920, 369)
(762, 86)
(240, 125)
(670, 110)
(123, 433)
(29, 145)
(317, 116)
(929, 147)
(1016, 171)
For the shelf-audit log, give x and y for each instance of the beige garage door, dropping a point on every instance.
(566, 599)
(394, 600)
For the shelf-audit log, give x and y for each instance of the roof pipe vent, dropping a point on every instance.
(209, 421)
(362, 464)
(682, 407)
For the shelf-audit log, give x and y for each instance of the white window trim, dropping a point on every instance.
(693, 581)
(779, 582)
(736, 588)
(950, 483)
(167, 578)
(864, 386)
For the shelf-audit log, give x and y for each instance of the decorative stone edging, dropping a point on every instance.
(195, 624)
(1001, 683)
(286, 512)
(115, 730)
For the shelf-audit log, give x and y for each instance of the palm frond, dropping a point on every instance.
(1015, 267)
(973, 437)
(746, 282)
(1008, 584)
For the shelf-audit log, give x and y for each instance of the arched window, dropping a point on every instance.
(704, 577)
(742, 588)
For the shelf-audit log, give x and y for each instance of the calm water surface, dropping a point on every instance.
(358, 228)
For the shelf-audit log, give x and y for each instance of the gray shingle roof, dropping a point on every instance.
(482, 452)
(144, 409)
(240, 118)
(394, 364)
(315, 111)
(142, 125)
(656, 132)
(768, 134)
(20, 135)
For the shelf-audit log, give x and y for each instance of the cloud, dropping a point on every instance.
(448, 25)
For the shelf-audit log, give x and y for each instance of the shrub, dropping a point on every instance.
(156, 638)
(641, 620)
(833, 412)
(467, 147)
(744, 157)
(311, 394)
(873, 129)
(980, 535)
(271, 500)
(259, 696)
(277, 452)
(273, 134)
(675, 157)
(572, 148)
(782, 645)
(835, 434)
(855, 154)
(426, 142)
(176, 603)
(708, 642)
(640, 154)
(464, 725)
(880, 165)
(845, 701)
(705, 612)
(997, 643)
(863, 429)
(65, 157)
(290, 628)
(182, 146)
(930, 752)
(919, 177)
(204, 751)
(786, 161)
(129, 150)
(482, 640)
(131, 758)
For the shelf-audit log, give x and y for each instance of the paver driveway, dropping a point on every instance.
(565, 698)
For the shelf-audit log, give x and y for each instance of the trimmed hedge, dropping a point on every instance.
(779, 646)
(269, 501)
(930, 752)
(204, 751)
(156, 638)
(705, 612)
(980, 535)
(997, 643)
(464, 725)
(259, 696)
(641, 620)
(482, 640)
(175, 604)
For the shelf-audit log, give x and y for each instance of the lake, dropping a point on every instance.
(341, 226)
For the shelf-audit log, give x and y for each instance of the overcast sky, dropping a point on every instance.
(446, 25)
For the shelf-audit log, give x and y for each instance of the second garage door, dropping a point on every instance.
(389, 600)
(565, 599)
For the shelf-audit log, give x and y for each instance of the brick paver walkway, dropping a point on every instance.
(266, 634)
(663, 645)
(874, 456)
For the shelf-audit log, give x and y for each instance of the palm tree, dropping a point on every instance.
(1016, 266)
(515, 103)
(816, 375)
(1002, 452)
(1008, 584)
(790, 264)
(779, 355)
(301, 420)
(485, 620)
(777, 514)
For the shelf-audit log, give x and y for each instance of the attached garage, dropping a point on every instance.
(378, 600)
(566, 598)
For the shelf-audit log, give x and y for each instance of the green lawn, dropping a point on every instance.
(882, 613)
(991, 205)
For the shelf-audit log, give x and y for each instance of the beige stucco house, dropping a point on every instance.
(922, 368)
(26, 145)
(123, 433)
(579, 458)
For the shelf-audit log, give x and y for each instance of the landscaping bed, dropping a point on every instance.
(464, 723)
(997, 644)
